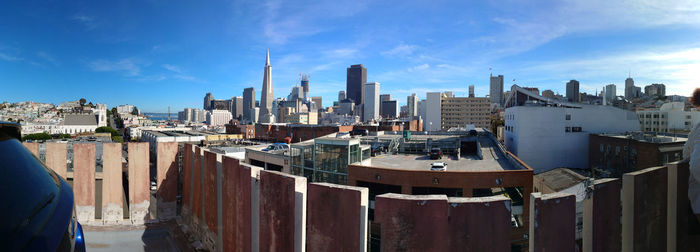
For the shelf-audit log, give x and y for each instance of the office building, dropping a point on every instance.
(457, 112)
(318, 100)
(371, 106)
(433, 110)
(629, 88)
(341, 96)
(614, 154)
(125, 109)
(655, 89)
(382, 98)
(548, 134)
(471, 91)
(412, 104)
(389, 109)
(255, 115)
(207, 101)
(248, 102)
(610, 93)
(237, 107)
(347, 107)
(422, 110)
(305, 87)
(356, 78)
(496, 90)
(572, 91)
(218, 117)
(669, 118)
(267, 96)
(548, 93)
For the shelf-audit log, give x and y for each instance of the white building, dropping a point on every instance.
(78, 123)
(371, 106)
(412, 103)
(101, 112)
(218, 117)
(670, 117)
(610, 93)
(433, 110)
(125, 109)
(551, 137)
(254, 114)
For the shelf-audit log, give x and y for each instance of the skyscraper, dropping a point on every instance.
(629, 88)
(237, 108)
(356, 78)
(471, 90)
(496, 90)
(371, 106)
(319, 102)
(305, 87)
(248, 102)
(572, 94)
(412, 103)
(610, 93)
(266, 95)
(341, 96)
(207, 101)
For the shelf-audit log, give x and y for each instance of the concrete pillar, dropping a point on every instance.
(282, 212)
(56, 158)
(84, 181)
(139, 182)
(552, 222)
(324, 230)
(197, 198)
(33, 147)
(644, 210)
(236, 206)
(210, 202)
(187, 177)
(112, 188)
(479, 224)
(167, 180)
(412, 222)
(601, 216)
(679, 213)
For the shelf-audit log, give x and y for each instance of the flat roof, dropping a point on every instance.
(493, 160)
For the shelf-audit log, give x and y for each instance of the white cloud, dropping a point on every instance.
(677, 68)
(8, 57)
(48, 57)
(172, 68)
(127, 67)
(88, 21)
(401, 50)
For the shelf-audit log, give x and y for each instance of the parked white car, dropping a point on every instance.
(438, 166)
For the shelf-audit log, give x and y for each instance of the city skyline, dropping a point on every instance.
(155, 55)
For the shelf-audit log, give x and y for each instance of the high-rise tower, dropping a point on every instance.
(266, 94)
(496, 89)
(356, 79)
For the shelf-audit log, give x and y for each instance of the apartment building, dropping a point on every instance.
(460, 111)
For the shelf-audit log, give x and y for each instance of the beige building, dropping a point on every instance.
(302, 118)
(460, 111)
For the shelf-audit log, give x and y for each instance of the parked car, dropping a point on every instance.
(435, 153)
(376, 149)
(38, 208)
(154, 186)
(438, 166)
(359, 132)
(277, 147)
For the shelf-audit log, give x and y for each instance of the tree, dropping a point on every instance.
(117, 139)
(82, 101)
(110, 130)
(36, 136)
(495, 123)
(135, 111)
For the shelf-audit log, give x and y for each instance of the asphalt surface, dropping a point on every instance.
(151, 237)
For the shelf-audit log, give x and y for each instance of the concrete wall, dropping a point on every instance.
(112, 187)
(248, 209)
(167, 180)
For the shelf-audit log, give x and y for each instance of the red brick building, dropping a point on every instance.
(613, 155)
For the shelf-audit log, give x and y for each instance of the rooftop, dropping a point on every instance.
(493, 159)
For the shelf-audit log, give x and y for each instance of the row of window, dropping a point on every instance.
(572, 129)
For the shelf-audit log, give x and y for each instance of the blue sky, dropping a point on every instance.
(156, 54)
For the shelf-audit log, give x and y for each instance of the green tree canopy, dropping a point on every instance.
(36, 136)
(110, 130)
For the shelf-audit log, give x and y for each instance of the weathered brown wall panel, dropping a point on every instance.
(324, 230)
(112, 190)
(56, 157)
(479, 224)
(412, 222)
(553, 222)
(139, 182)
(33, 147)
(236, 206)
(210, 191)
(84, 181)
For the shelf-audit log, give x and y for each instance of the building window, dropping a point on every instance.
(576, 129)
(601, 148)
(617, 151)
(568, 117)
(568, 129)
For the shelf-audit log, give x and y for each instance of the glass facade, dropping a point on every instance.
(326, 160)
